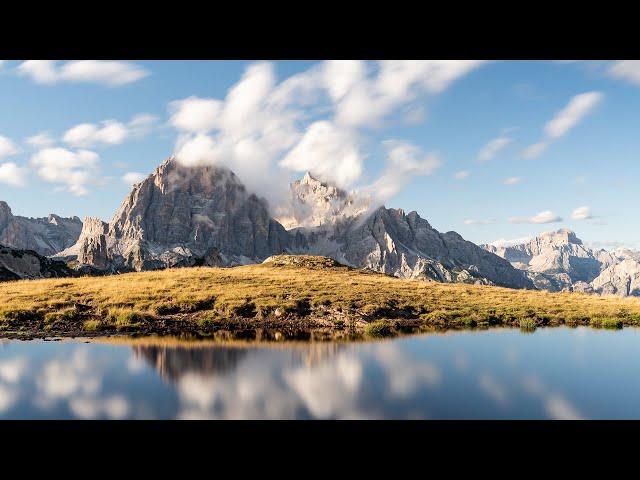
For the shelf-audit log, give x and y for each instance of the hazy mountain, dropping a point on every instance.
(560, 261)
(46, 236)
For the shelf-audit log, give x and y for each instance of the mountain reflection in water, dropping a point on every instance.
(552, 373)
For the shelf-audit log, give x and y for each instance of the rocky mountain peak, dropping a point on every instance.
(314, 203)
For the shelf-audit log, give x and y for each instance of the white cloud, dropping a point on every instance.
(492, 148)
(405, 162)
(131, 178)
(511, 242)
(12, 369)
(103, 72)
(535, 150)
(512, 180)
(627, 70)
(195, 114)
(108, 132)
(577, 109)
(397, 82)
(462, 174)
(2, 62)
(546, 216)
(582, 213)
(12, 174)
(472, 221)
(7, 147)
(40, 140)
(75, 170)
(328, 152)
(310, 121)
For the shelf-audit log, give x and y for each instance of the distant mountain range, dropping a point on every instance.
(559, 261)
(186, 216)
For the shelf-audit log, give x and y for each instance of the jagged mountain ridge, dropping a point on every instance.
(559, 261)
(46, 236)
(182, 216)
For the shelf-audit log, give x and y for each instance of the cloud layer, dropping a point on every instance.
(102, 72)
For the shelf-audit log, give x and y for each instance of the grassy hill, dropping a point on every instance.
(287, 293)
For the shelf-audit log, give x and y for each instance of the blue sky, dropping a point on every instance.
(412, 135)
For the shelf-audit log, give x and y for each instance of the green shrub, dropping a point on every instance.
(528, 324)
(378, 329)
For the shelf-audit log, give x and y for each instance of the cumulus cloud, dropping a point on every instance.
(581, 213)
(73, 170)
(131, 178)
(546, 216)
(576, 110)
(314, 120)
(462, 174)
(12, 174)
(7, 147)
(405, 162)
(627, 70)
(512, 180)
(108, 132)
(396, 83)
(328, 152)
(493, 147)
(41, 140)
(103, 72)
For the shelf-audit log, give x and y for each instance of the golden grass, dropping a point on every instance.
(205, 295)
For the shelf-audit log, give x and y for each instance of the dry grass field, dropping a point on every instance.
(305, 292)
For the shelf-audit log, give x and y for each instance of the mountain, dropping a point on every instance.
(328, 221)
(314, 204)
(182, 216)
(559, 260)
(18, 264)
(46, 236)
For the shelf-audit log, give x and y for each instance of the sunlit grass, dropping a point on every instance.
(206, 295)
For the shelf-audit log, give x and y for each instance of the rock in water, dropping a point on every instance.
(18, 264)
(46, 236)
(183, 216)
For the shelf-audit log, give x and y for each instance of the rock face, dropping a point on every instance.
(18, 264)
(181, 216)
(559, 260)
(46, 236)
(620, 279)
(317, 204)
(405, 245)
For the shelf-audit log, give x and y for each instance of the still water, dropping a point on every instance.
(558, 373)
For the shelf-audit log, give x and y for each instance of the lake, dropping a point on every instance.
(552, 373)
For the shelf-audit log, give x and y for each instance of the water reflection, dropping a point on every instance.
(553, 373)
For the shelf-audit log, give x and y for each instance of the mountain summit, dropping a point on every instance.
(183, 216)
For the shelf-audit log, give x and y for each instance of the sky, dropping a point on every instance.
(497, 150)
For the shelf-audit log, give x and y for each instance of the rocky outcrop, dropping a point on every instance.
(46, 236)
(181, 216)
(26, 264)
